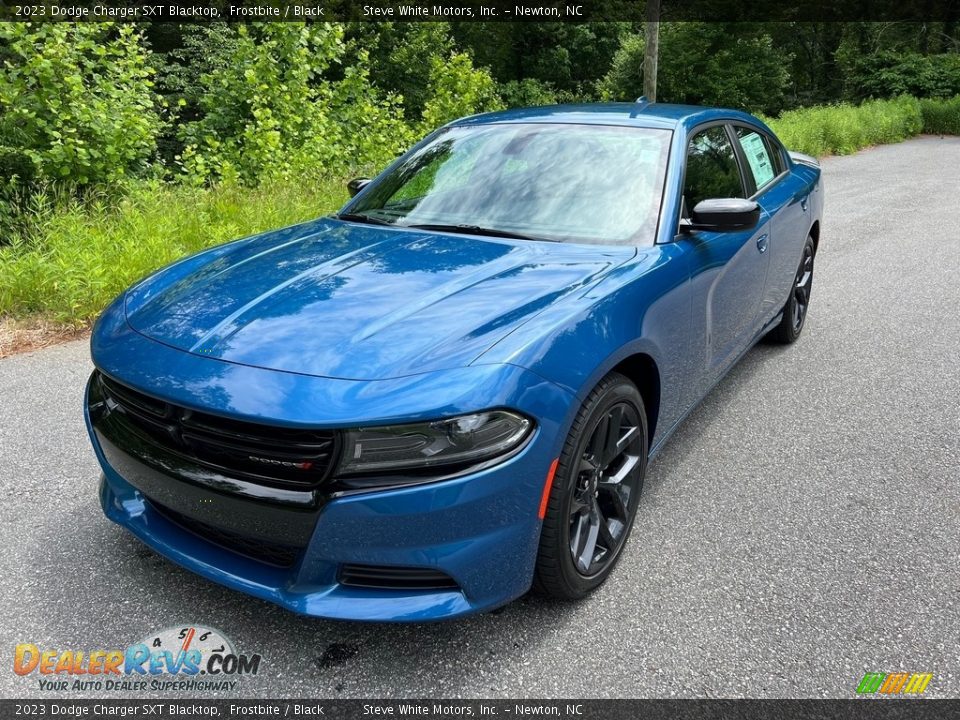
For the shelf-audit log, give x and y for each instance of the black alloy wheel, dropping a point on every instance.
(606, 480)
(795, 310)
(595, 492)
(801, 289)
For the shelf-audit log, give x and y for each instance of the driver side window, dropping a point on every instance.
(712, 169)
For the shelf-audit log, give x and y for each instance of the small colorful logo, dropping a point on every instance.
(894, 683)
(184, 652)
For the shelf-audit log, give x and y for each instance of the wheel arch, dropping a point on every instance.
(815, 234)
(641, 369)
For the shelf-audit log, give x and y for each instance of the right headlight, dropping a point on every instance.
(461, 440)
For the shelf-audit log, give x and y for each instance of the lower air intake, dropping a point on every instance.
(281, 556)
(384, 577)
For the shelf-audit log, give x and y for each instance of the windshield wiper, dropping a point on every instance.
(361, 218)
(473, 230)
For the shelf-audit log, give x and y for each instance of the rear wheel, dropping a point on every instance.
(595, 491)
(795, 311)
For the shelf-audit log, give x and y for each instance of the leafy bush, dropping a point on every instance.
(941, 117)
(842, 129)
(366, 130)
(203, 48)
(527, 92)
(456, 88)
(399, 56)
(81, 255)
(699, 64)
(256, 106)
(76, 104)
(569, 57)
(890, 73)
(269, 113)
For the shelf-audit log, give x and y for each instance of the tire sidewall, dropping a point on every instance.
(621, 390)
(788, 312)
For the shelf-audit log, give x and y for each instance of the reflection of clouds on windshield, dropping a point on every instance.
(576, 182)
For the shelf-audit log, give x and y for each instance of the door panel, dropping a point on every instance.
(728, 269)
(789, 225)
(776, 191)
(728, 272)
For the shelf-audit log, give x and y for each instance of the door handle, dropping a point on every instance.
(762, 243)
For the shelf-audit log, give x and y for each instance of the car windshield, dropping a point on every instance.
(561, 182)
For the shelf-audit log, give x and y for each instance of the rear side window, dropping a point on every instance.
(712, 169)
(779, 154)
(763, 158)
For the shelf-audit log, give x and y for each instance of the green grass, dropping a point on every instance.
(843, 129)
(941, 117)
(77, 256)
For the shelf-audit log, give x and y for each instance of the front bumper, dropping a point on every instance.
(481, 530)
(491, 565)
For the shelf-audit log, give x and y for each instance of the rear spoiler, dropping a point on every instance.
(798, 157)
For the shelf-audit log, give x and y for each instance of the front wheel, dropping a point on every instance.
(595, 493)
(795, 310)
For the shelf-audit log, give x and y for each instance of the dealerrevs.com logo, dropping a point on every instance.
(186, 657)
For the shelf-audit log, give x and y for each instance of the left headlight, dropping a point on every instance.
(461, 440)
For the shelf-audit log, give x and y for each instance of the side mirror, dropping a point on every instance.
(356, 185)
(724, 215)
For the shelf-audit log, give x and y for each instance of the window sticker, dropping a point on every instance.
(756, 152)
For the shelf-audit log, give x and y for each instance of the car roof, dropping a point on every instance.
(635, 114)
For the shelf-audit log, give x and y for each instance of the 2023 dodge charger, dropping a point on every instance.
(448, 392)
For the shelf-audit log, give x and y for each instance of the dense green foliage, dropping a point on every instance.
(700, 66)
(456, 89)
(92, 104)
(76, 105)
(566, 58)
(80, 255)
(400, 55)
(268, 112)
(888, 73)
(842, 129)
(122, 149)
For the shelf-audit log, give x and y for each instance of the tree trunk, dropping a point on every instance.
(651, 50)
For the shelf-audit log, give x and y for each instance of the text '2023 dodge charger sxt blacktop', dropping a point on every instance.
(447, 393)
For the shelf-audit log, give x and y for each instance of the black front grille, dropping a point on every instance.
(282, 556)
(386, 577)
(288, 457)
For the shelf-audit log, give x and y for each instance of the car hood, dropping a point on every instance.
(352, 301)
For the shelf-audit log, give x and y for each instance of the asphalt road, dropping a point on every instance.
(799, 530)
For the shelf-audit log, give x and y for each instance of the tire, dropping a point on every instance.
(586, 495)
(795, 309)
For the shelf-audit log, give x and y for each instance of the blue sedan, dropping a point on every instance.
(448, 392)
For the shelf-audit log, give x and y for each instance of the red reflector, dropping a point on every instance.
(546, 488)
